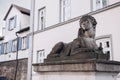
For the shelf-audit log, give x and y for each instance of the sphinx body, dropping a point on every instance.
(83, 46)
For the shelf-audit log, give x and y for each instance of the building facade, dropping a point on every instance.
(58, 21)
(54, 22)
(14, 44)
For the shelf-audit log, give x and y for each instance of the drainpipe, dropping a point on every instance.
(31, 38)
(16, 69)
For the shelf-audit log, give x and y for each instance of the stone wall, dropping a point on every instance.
(7, 69)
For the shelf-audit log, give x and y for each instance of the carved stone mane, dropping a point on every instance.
(83, 47)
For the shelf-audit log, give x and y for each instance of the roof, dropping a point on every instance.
(21, 9)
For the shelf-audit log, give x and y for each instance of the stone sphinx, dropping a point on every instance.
(83, 47)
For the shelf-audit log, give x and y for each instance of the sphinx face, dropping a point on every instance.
(86, 24)
(88, 27)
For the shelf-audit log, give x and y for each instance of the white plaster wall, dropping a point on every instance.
(80, 7)
(113, 1)
(12, 56)
(25, 21)
(53, 10)
(108, 23)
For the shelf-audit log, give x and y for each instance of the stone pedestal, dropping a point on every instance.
(78, 70)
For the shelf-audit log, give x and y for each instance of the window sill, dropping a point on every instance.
(24, 49)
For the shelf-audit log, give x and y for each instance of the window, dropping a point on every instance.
(24, 41)
(10, 46)
(41, 21)
(0, 49)
(6, 47)
(65, 10)
(12, 23)
(98, 4)
(106, 43)
(14, 45)
(40, 56)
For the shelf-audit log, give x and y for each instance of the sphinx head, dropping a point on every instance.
(88, 24)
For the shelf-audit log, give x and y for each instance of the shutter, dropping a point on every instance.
(15, 20)
(16, 44)
(19, 43)
(2, 48)
(10, 46)
(8, 24)
(27, 43)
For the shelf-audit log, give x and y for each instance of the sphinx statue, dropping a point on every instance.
(83, 47)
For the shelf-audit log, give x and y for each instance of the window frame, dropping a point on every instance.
(65, 9)
(14, 45)
(6, 46)
(44, 18)
(94, 5)
(24, 43)
(13, 20)
(11, 23)
(106, 49)
(41, 56)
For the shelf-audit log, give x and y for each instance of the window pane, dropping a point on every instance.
(106, 45)
(14, 45)
(40, 56)
(24, 42)
(104, 2)
(65, 10)
(98, 2)
(6, 47)
(42, 19)
(11, 23)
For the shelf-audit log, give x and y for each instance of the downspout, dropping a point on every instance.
(31, 38)
(16, 68)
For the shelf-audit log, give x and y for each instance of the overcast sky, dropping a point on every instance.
(4, 6)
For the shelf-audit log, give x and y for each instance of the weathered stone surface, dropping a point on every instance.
(83, 47)
(7, 69)
(79, 66)
(78, 70)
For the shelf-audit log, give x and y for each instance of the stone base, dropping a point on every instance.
(78, 70)
(79, 57)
